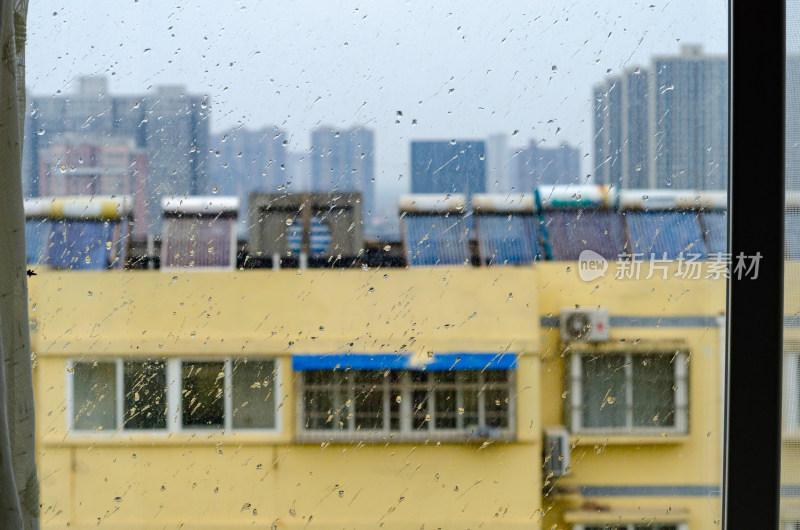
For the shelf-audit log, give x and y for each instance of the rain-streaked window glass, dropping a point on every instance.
(370, 260)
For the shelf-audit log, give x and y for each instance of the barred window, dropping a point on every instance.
(472, 403)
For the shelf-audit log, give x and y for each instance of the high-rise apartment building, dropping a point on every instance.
(344, 160)
(246, 162)
(537, 165)
(664, 127)
(498, 162)
(454, 166)
(169, 125)
(793, 122)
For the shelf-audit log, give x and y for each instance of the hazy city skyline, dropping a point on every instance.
(457, 72)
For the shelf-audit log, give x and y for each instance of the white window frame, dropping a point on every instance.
(407, 431)
(681, 374)
(174, 396)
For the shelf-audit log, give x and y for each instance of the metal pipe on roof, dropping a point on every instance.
(432, 203)
(504, 203)
(210, 205)
(577, 196)
(79, 207)
(656, 199)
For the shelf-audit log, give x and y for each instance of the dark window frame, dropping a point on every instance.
(751, 481)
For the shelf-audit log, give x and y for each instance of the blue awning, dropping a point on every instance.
(390, 361)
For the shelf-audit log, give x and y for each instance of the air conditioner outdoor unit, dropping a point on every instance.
(584, 325)
(557, 447)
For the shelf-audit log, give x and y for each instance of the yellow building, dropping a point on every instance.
(201, 452)
(790, 444)
(381, 397)
(650, 471)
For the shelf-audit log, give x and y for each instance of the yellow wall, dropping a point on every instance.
(647, 460)
(226, 480)
(790, 457)
(218, 480)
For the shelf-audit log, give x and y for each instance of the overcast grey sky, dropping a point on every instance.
(462, 69)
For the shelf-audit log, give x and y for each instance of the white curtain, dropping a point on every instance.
(19, 490)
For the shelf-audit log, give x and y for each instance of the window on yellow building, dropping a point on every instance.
(470, 402)
(629, 392)
(143, 395)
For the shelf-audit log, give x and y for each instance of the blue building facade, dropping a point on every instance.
(448, 166)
